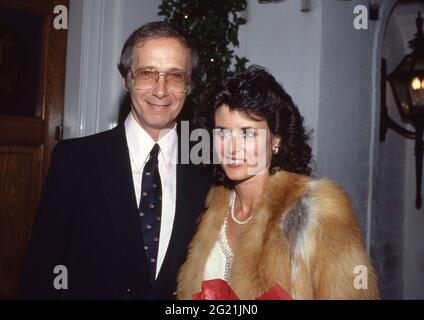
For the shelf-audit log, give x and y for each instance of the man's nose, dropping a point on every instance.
(160, 89)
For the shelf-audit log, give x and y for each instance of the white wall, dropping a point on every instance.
(388, 200)
(287, 42)
(345, 104)
(413, 227)
(413, 233)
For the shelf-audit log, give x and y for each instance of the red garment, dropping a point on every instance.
(219, 289)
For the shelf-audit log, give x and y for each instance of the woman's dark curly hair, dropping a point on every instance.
(257, 94)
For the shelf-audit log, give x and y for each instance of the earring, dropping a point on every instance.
(275, 150)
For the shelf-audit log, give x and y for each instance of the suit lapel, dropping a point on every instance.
(118, 182)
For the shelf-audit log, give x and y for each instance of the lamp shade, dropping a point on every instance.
(407, 83)
(407, 80)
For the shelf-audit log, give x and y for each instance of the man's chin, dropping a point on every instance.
(159, 128)
(154, 123)
(163, 126)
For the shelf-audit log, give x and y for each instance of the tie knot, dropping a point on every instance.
(155, 151)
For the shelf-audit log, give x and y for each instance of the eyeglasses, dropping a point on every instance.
(145, 79)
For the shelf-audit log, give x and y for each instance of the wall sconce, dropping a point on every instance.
(407, 83)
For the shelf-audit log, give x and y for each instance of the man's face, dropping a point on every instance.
(155, 109)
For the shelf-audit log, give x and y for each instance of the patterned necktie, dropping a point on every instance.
(150, 209)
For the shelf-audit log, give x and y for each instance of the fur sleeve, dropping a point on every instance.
(342, 269)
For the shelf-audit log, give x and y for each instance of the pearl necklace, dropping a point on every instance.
(232, 205)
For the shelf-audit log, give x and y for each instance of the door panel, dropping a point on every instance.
(32, 73)
(20, 173)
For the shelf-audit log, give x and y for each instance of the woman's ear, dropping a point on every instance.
(276, 141)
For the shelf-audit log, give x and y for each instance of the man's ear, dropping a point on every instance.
(125, 83)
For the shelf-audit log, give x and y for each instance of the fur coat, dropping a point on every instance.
(303, 236)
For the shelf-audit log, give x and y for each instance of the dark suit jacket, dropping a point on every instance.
(87, 221)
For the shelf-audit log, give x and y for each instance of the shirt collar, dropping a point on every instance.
(140, 143)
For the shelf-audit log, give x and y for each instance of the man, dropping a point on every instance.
(118, 208)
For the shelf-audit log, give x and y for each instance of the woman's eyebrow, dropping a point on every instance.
(242, 128)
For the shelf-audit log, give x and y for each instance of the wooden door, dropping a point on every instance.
(32, 73)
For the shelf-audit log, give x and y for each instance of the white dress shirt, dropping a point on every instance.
(140, 143)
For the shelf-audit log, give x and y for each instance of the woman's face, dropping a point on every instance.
(243, 145)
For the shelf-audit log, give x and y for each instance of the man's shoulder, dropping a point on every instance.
(92, 142)
(94, 139)
(83, 149)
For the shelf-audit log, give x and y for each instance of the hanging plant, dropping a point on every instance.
(213, 26)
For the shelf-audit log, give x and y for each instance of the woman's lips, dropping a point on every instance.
(234, 162)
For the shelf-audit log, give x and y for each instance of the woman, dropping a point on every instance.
(267, 222)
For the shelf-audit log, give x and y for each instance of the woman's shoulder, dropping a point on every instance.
(313, 201)
(322, 187)
(320, 192)
(331, 201)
